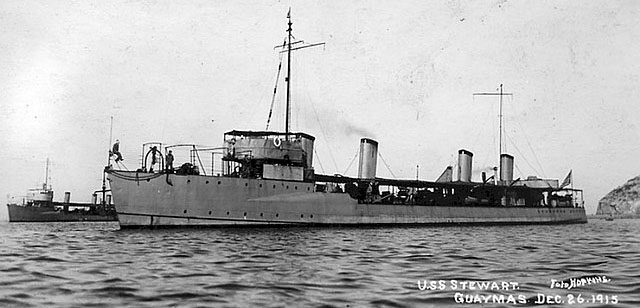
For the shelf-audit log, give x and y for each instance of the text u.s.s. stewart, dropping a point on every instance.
(466, 285)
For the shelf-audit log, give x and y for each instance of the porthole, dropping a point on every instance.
(295, 187)
(246, 184)
(287, 186)
(311, 216)
(308, 188)
(219, 182)
(261, 214)
(227, 213)
(260, 185)
(301, 215)
(245, 214)
(188, 181)
(277, 214)
(274, 186)
(206, 182)
(209, 212)
(185, 211)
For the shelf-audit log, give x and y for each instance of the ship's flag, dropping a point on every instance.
(567, 180)
(289, 13)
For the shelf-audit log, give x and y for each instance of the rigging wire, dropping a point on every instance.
(488, 114)
(275, 88)
(526, 138)
(521, 173)
(488, 160)
(297, 88)
(303, 83)
(504, 137)
(351, 163)
(523, 157)
(318, 159)
(324, 134)
(387, 165)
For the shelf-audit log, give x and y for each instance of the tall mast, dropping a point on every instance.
(501, 94)
(288, 79)
(288, 43)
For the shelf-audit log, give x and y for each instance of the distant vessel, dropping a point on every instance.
(38, 206)
(267, 178)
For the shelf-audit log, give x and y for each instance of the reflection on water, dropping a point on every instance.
(97, 265)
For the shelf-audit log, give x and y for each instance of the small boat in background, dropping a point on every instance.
(38, 206)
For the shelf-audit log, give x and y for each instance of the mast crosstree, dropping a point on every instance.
(501, 94)
(288, 43)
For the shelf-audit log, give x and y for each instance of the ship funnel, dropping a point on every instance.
(464, 165)
(67, 196)
(506, 168)
(368, 158)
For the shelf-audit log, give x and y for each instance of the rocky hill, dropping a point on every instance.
(626, 199)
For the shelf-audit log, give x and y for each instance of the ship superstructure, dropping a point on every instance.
(267, 178)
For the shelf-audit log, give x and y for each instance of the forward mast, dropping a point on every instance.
(288, 43)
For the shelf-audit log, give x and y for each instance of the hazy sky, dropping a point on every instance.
(401, 72)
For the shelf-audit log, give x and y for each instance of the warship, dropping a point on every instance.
(267, 178)
(38, 206)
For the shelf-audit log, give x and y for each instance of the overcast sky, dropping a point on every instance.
(400, 72)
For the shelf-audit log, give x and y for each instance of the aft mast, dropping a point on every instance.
(501, 94)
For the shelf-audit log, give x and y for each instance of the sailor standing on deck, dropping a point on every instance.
(115, 150)
(154, 159)
(170, 161)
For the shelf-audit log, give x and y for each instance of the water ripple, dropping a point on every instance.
(97, 265)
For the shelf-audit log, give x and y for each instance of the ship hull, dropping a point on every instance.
(19, 213)
(196, 200)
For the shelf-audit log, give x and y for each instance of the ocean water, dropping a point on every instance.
(96, 265)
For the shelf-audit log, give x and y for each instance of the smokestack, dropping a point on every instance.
(368, 158)
(67, 196)
(464, 165)
(506, 168)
